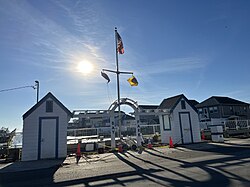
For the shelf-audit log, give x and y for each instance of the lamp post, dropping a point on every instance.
(37, 90)
(36, 86)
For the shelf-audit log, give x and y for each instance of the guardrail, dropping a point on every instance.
(237, 124)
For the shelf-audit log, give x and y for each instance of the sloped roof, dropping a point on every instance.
(49, 95)
(193, 102)
(217, 100)
(170, 103)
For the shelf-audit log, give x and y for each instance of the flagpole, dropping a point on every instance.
(132, 81)
(118, 85)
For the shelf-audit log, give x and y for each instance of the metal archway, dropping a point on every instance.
(133, 104)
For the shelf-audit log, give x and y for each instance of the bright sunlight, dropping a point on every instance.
(85, 67)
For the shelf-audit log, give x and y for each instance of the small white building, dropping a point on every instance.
(181, 123)
(45, 130)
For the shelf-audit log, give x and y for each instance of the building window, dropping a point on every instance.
(200, 110)
(215, 109)
(166, 122)
(49, 106)
(231, 109)
(205, 113)
(183, 104)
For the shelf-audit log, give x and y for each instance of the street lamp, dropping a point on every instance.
(37, 90)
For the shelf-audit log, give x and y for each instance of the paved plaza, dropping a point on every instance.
(203, 164)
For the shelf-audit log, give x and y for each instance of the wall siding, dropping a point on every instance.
(164, 134)
(175, 132)
(31, 130)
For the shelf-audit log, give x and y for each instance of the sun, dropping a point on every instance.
(85, 67)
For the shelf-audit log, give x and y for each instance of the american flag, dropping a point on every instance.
(120, 48)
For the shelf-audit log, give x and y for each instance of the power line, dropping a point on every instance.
(17, 88)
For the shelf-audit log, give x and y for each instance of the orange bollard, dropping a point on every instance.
(149, 144)
(171, 145)
(120, 150)
(203, 135)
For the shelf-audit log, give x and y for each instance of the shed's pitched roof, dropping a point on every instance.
(49, 95)
(170, 103)
(217, 100)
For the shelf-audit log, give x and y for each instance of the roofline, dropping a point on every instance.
(183, 96)
(200, 105)
(32, 109)
(176, 103)
(180, 97)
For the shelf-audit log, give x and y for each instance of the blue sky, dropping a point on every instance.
(198, 48)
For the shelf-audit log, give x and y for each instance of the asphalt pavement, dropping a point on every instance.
(203, 164)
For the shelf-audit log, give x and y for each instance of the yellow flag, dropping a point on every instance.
(132, 81)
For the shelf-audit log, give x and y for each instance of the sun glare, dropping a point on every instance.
(85, 67)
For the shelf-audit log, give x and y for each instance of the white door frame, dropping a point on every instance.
(40, 136)
(182, 130)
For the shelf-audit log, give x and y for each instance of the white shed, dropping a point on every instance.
(181, 123)
(45, 130)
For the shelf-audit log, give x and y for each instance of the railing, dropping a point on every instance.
(237, 124)
(106, 131)
(150, 129)
(83, 132)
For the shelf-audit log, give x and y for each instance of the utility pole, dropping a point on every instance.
(36, 86)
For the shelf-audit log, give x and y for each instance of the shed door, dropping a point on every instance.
(186, 131)
(48, 138)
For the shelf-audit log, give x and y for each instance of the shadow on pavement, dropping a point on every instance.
(113, 179)
(163, 176)
(180, 173)
(237, 156)
(226, 148)
(41, 171)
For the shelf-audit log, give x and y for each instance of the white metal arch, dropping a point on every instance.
(133, 104)
(124, 101)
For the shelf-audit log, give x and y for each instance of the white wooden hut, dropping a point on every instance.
(181, 123)
(45, 130)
